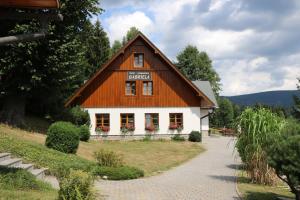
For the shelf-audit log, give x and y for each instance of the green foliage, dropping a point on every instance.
(97, 47)
(147, 138)
(52, 67)
(296, 108)
(224, 115)
(195, 136)
(76, 186)
(84, 133)
(197, 65)
(284, 156)
(14, 178)
(57, 162)
(78, 116)
(119, 173)
(178, 137)
(117, 45)
(131, 33)
(63, 136)
(257, 129)
(108, 158)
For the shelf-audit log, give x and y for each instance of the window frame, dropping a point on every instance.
(151, 115)
(102, 120)
(143, 58)
(147, 88)
(127, 119)
(176, 119)
(131, 84)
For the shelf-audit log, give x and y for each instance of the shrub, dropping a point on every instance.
(78, 116)
(195, 136)
(284, 156)
(119, 173)
(257, 129)
(108, 158)
(63, 136)
(76, 185)
(177, 137)
(20, 179)
(84, 133)
(147, 138)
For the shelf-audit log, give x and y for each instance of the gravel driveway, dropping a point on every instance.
(209, 176)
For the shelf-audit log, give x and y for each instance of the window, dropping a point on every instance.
(147, 88)
(176, 120)
(127, 120)
(138, 60)
(130, 88)
(102, 120)
(151, 121)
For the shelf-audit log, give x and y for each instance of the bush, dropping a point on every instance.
(284, 156)
(76, 185)
(20, 179)
(195, 136)
(63, 136)
(78, 116)
(119, 173)
(84, 133)
(108, 158)
(177, 137)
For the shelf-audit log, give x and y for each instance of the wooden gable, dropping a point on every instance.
(41, 4)
(107, 87)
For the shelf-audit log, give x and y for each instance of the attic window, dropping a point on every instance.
(138, 60)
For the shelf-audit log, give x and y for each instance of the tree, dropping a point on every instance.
(97, 47)
(43, 73)
(115, 47)
(296, 108)
(284, 156)
(224, 115)
(197, 65)
(131, 33)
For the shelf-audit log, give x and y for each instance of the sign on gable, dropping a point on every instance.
(138, 75)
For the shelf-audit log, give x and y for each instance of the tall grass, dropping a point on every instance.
(257, 129)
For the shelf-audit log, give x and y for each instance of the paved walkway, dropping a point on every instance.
(209, 176)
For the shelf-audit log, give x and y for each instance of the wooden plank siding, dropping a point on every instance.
(29, 3)
(108, 89)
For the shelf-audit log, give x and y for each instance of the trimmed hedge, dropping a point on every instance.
(78, 116)
(63, 136)
(195, 136)
(178, 137)
(119, 173)
(84, 133)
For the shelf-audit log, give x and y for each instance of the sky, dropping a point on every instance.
(254, 44)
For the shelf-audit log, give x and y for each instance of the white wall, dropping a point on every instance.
(191, 118)
(205, 121)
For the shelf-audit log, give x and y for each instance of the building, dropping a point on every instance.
(139, 91)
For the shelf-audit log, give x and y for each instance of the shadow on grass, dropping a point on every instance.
(265, 196)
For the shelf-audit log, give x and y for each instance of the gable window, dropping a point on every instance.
(102, 122)
(127, 121)
(147, 88)
(130, 88)
(176, 120)
(151, 121)
(138, 60)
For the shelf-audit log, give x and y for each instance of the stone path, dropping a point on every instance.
(209, 176)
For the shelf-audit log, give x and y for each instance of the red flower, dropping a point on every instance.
(105, 128)
(150, 128)
(173, 126)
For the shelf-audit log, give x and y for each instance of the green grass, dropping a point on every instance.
(20, 184)
(252, 191)
(150, 156)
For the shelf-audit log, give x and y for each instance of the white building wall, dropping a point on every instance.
(191, 119)
(205, 121)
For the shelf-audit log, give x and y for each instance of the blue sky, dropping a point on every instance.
(254, 44)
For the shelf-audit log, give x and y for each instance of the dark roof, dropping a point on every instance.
(157, 51)
(206, 88)
(39, 4)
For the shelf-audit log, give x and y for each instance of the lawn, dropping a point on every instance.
(152, 156)
(252, 191)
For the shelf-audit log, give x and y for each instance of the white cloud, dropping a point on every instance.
(119, 24)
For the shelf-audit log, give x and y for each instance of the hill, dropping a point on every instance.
(273, 98)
